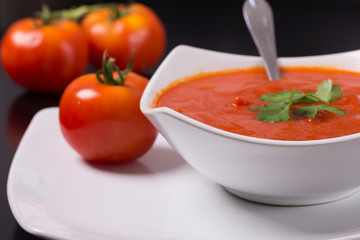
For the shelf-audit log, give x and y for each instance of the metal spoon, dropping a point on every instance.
(260, 22)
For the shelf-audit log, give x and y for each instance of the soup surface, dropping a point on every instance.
(224, 99)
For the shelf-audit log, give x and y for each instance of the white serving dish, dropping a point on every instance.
(262, 170)
(54, 194)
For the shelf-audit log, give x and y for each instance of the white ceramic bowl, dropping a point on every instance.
(262, 170)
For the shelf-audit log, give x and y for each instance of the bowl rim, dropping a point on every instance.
(146, 98)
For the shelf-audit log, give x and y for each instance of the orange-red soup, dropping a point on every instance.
(224, 99)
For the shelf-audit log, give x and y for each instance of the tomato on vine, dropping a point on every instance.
(100, 115)
(44, 54)
(123, 29)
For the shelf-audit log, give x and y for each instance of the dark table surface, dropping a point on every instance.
(303, 27)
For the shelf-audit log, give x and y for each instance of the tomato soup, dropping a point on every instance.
(224, 99)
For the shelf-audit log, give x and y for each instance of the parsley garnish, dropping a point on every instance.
(280, 104)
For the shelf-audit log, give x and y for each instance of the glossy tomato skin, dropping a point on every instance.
(44, 58)
(103, 123)
(140, 30)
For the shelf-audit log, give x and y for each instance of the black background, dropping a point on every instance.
(303, 27)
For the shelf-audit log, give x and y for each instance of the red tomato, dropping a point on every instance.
(139, 29)
(44, 58)
(103, 123)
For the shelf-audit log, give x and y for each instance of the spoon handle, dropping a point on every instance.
(260, 22)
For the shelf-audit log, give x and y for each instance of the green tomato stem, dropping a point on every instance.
(116, 13)
(45, 14)
(105, 74)
(74, 14)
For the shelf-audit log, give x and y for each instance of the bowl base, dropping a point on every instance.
(292, 201)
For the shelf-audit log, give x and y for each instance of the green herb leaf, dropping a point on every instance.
(277, 111)
(335, 92)
(271, 106)
(282, 96)
(326, 92)
(311, 111)
(280, 103)
(273, 112)
(274, 115)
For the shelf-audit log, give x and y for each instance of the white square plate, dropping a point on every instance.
(53, 193)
